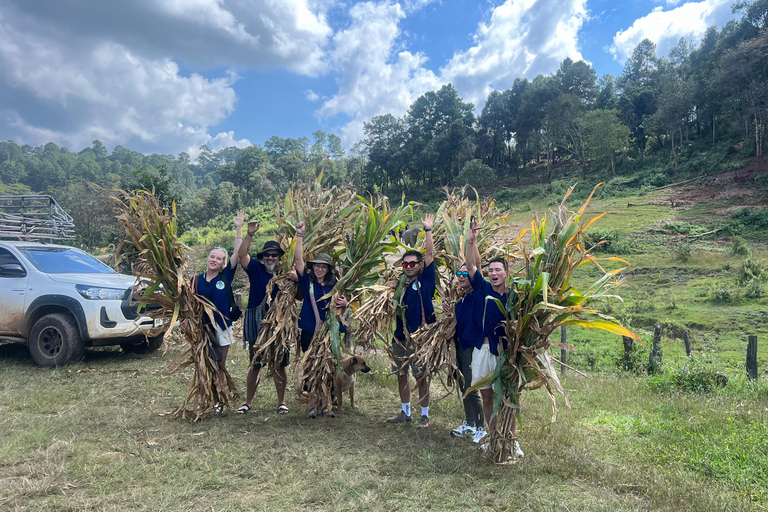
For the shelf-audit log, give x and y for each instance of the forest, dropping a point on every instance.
(704, 98)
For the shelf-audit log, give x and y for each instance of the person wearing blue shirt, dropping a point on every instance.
(489, 318)
(259, 275)
(466, 337)
(212, 284)
(314, 309)
(417, 302)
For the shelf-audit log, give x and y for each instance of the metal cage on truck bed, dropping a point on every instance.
(34, 218)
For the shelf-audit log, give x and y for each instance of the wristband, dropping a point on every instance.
(427, 230)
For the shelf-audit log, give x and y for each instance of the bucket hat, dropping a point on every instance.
(270, 245)
(322, 258)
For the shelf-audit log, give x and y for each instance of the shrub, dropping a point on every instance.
(751, 270)
(693, 379)
(739, 246)
(682, 252)
(721, 295)
(614, 241)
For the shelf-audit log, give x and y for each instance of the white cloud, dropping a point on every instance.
(311, 95)
(73, 71)
(665, 28)
(521, 38)
(374, 79)
(411, 6)
(105, 92)
(224, 140)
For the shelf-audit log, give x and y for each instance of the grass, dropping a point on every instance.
(85, 437)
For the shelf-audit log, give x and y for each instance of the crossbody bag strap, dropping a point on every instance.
(312, 301)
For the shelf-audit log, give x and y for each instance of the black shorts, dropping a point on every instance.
(306, 339)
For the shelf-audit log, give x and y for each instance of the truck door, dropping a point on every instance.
(13, 290)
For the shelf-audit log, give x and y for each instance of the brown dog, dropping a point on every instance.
(346, 381)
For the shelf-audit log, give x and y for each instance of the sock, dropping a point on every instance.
(425, 411)
(407, 408)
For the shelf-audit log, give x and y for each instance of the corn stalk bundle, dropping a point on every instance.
(158, 262)
(360, 260)
(374, 315)
(435, 350)
(545, 301)
(325, 212)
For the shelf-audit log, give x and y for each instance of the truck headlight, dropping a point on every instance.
(98, 293)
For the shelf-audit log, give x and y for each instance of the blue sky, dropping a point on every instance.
(167, 76)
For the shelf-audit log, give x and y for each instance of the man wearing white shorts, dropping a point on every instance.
(485, 357)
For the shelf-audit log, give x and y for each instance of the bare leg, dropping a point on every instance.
(423, 385)
(252, 379)
(404, 388)
(281, 380)
(487, 395)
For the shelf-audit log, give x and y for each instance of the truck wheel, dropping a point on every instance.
(146, 346)
(55, 341)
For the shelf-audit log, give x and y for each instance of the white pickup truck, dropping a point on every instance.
(59, 300)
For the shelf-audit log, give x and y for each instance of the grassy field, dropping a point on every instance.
(86, 437)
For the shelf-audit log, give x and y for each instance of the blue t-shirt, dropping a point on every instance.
(419, 292)
(259, 278)
(216, 292)
(491, 327)
(467, 332)
(307, 315)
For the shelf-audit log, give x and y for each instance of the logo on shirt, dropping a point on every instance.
(220, 285)
(414, 286)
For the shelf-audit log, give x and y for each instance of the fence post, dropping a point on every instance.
(687, 341)
(752, 357)
(627, 352)
(563, 340)
(654, 358)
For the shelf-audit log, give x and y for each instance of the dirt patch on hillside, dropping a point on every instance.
(734, 187)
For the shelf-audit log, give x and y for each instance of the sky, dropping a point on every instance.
(168, 76)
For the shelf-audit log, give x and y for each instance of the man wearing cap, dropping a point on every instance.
(416, 299)
(259, 275)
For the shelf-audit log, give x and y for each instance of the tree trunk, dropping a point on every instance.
(613, 166)
(713, 129)
(674, 153)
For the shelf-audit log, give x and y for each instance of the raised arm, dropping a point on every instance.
(239, 218)
(245, 257)
(298, 252)
(471, 252)
(429, 244)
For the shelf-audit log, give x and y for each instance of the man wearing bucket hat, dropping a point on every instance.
(314, 308)
(260, 271)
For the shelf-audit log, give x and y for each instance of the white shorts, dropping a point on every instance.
(483, 363)
(223, 337)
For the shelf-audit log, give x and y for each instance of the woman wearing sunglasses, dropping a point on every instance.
(213, 284)
(467, 336)
(314, 286)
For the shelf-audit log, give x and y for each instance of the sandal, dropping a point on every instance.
(282, 408)
(312, 414)
(243, 409)
(327, 414)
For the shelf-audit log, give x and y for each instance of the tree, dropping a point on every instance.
(744, 77)
(604, 135)
(639, 90)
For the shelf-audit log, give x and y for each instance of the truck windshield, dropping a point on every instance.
(63, 260)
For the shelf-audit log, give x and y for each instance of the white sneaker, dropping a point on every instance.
(463, 430)
(517, 451)
(480, 433)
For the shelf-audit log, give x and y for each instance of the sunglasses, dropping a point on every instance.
(271, 255)
(462, 273)
(220, 249)
(410, 264)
